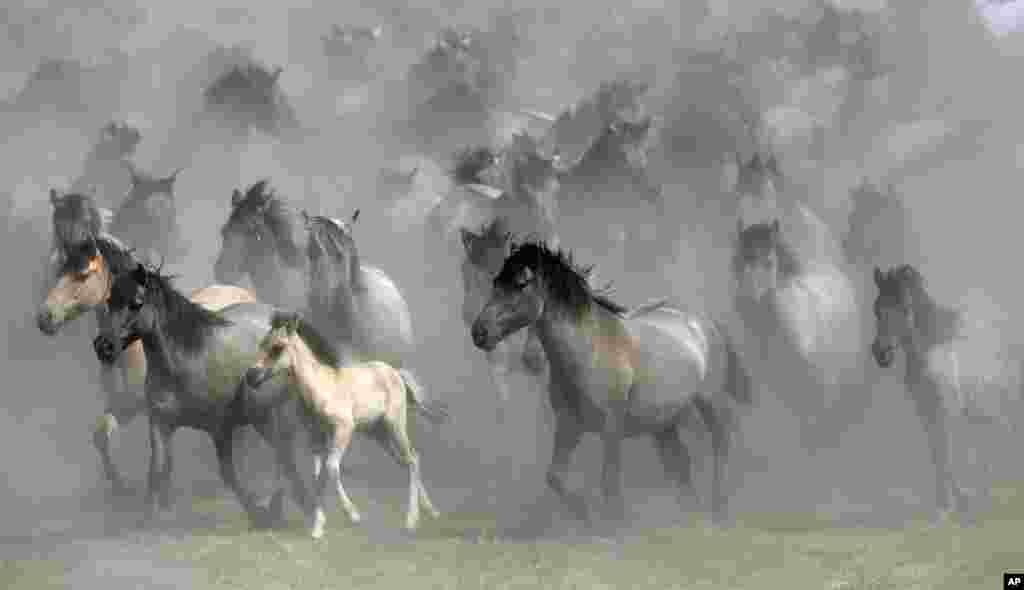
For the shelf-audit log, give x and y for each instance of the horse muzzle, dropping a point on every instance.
(106, 350)
(482, 337)
(47, 322)
(884, 355)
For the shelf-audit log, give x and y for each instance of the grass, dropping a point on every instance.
(761, 551)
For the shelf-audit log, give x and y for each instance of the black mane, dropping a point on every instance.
(567, 284)
(335, 239)
(185, 323)
(937, 323)
(118, 258)
(263, 204)
(323, 350)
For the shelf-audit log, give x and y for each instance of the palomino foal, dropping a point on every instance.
(370, 397)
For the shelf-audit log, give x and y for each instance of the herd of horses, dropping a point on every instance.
(322, 342)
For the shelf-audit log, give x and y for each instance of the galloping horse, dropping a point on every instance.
(351, 302)
(85, 269)
(803, 319)
(908, 318)
(261, 240)
(371, 397)
(616, 372)
(196, 360)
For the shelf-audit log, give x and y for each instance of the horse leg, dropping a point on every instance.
(678, 466)
(224, 441)
(611, 472)
(108, 423)
(342, 439)
(496, 364)
(284, 449)
(320, 475)
(934, 420)
(160, 432)
(568, 434)
(717, 425)
(408, 458)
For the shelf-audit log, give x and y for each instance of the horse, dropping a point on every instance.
(148, 217)
(527, 207)
(85, 273)
(908, 318)
(802, 315)
(370, 397)
(352, 302)
(260, 239)
(616, 372)
(248, 97)
(486, 251)
(108, 166)
(196, 359)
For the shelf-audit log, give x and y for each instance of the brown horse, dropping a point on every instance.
(85, 276)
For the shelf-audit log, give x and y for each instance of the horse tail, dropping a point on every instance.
(435, 411)
(738, 383)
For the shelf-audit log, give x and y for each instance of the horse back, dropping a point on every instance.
(216, 297)
(668, 335)
(386, 311)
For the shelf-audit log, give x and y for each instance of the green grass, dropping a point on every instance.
(762, 551)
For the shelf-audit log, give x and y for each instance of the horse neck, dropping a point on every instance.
(271, 279)
(309, 373)
(568, 339)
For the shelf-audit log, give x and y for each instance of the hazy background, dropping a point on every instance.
(946, 135)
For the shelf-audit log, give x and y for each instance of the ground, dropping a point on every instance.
(209, 546)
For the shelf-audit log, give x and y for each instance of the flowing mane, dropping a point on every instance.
(937, 323)
(567, 284)
(262, 203)
(118, 258)
(184, 322)
(324, 352)
(334, 237)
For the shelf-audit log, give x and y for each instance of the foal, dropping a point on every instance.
(370, 397)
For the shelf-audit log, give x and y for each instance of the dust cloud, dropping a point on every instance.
(941, 127)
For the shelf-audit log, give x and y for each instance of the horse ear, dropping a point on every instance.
(776, 227)
(412, 174)
(236, 197)
(879, 277)
(139, 273)
(294, 322)
(55, 199)
(174, 175)
(355, 216)
(94, 265)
